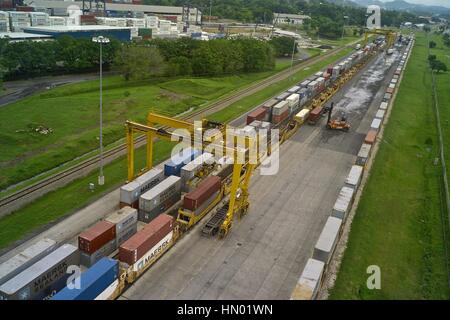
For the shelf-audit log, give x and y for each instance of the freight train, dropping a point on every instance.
(159, 206)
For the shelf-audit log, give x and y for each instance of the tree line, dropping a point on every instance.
(139, 60)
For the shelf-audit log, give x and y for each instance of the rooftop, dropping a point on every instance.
(22, 35)
(291, 16)
(75, 28)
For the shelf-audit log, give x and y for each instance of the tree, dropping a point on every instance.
(432, 44)
(446, 39)
(438, 66)
(283, 46)
(139, 62)
(431, 58)
(426, 29)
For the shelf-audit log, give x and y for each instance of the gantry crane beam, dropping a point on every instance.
(390, 36)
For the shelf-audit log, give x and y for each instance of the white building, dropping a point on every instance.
(287, 18)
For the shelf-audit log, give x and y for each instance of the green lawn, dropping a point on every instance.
(398, 224)
(76, 195)
(71, 112)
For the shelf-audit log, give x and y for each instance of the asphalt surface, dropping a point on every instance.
(20, 89)
(264, 254)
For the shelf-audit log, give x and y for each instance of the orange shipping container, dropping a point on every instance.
(371, 137)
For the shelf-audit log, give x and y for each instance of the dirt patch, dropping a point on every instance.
(172, 96)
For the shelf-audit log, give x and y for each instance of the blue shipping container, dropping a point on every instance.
(173, 167)
(93, 282)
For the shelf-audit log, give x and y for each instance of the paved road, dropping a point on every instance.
(24, 88)
(264, 254)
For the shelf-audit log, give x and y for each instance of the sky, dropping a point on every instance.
(445, 3)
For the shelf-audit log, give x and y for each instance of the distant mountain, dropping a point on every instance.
(401, 5)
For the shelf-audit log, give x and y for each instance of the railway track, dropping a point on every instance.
(26, 195)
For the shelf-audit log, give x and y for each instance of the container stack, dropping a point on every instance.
(19, 21)
(199, 199)
(189, 171)
(159, 199)
(4, 21)
(280, 112)
(34, 282)
(173, 167)
(39, 19)
(130, 193)
(143, 248)
(97, 242)
(125, 220)
(57, 21)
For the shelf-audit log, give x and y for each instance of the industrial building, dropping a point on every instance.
(87, 32)
(174, 14)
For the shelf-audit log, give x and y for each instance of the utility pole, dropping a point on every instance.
(101, 40)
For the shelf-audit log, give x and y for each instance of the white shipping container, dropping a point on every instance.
(302, 115)
(354, 177)
(327, 240)
(293, 100)
(380, 114)
(309, 282)
(280, 108)
(376, 123)
(123, 218)
(343, 203)
(363, 154)
(384, 106)
(392, 85)
(130, 192)
(189, 171)
(163, 191)
(26, 258)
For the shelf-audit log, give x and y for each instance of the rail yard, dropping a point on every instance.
(206, 226)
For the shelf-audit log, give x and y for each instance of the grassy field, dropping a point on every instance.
(398, 224)
(76, 195)
(25, 153)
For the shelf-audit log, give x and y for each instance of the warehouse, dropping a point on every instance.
(87, 32)
(124, 9)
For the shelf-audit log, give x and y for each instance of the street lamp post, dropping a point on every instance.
(101, 41)
(343, 27)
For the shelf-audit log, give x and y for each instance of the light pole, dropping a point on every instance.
(343, 27)
(210, 10)
(101, 41)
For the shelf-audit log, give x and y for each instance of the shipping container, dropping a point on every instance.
(380, 114)
(384, 106)
(173, 166)
(343, 203)
(302, 116)
(280, 108)
(293, 101)
(363, 154)
(89, 259)
(390, 90)
(130, 193)
(204, 191)
(376, 124)
(371, 137)
(294, 89)
(44, 278)
(327, 240)
(123, 219)
(258, 114)
(126, 234)
(283, 96)
(387, 97)
(354, 177)
(304, 84)
(96, 236)
(108, 293)
(159, 199)
(92, 282)
(280, 118)
(148, 242)
(189, 171)
(315, 115)
(309, 282)
(26, 258)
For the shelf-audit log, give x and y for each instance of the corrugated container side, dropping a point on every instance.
(309, 282)
(123, 218)
(371, 137)
(143, 241)
(92, 282)
(205, 190)
(26, 258)
(354, 177)
(88, 259)
(96, 236)
(343, 203)
(363, 154)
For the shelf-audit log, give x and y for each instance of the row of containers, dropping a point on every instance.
(130, 238)
(311, 278)
(126, 239)
(294, 100)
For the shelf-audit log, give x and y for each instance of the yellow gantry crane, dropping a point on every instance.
(389, 34)
(242, 170)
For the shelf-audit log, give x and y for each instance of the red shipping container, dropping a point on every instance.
(97, 236)
(138, 245)
(279, 118)
(315, 114)
(258, 114)
(136, 2)
(390, 90)
(204, 191)
(24, 8)
(371, 137)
